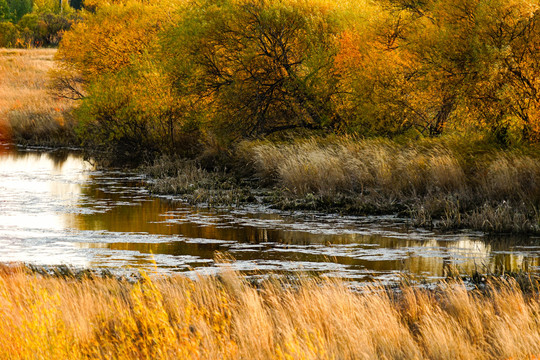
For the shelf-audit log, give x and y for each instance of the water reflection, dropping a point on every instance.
(55, 208)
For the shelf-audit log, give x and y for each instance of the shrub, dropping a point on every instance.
(9, 34)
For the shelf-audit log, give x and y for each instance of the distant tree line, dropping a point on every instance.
(35, 23)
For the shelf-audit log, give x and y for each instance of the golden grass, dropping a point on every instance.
(354, 165)
(27, 107)
(225, 318)
(347, 165)
(462, 184)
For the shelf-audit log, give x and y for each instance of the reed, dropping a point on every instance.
(346, 165)
(225, 317)
(447, 184)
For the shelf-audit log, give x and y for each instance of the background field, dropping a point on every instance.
(29, 112)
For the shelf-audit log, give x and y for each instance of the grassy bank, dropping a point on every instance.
(447, 183)
(29, 113)
(226, 318)
(198, 186)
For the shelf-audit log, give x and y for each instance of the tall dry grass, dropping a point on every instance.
(462, 184)
(347, 165)
(226, 318)
(29, 113)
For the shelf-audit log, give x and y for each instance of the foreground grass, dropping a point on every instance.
(29, 113)
(226, 318)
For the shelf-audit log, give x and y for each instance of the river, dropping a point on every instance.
(55, 209)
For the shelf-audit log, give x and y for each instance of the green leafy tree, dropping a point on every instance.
(19, 8)
(52, 6)
(9, 34)
(44, 29)
(5, 12)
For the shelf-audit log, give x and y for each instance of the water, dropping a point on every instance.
(57, 209)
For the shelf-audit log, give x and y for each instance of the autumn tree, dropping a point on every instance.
(262, 66)
(377, 94)
(150, 73)
(505, 97)
(108, 39)
(111, 61)
(435, 64)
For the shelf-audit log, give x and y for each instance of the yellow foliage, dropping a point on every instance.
(119, 31)
(51, 6)
(250, 67)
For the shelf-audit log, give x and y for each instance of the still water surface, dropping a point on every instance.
(55, 208)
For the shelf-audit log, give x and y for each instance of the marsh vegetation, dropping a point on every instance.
(448, 184)
(428, 110)
(387, 107)
(225, 317)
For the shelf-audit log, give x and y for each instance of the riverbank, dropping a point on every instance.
(448, 183)
(30, 114)
(225, 317)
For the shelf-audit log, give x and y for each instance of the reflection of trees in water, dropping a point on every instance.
(415, 262)
(40, 159)
(204, 251)
(59, 157)
(158, 217)
(5, 147)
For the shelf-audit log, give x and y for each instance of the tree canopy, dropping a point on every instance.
(249, 68)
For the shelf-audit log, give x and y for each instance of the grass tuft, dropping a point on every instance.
(448, 184)
(196, 185)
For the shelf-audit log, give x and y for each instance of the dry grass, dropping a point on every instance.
(27, 108)
(347, 165)
(492, 190)
(194, 184)
(226, 318)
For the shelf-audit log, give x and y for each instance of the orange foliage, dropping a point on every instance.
(249, 68)
(116, 34)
